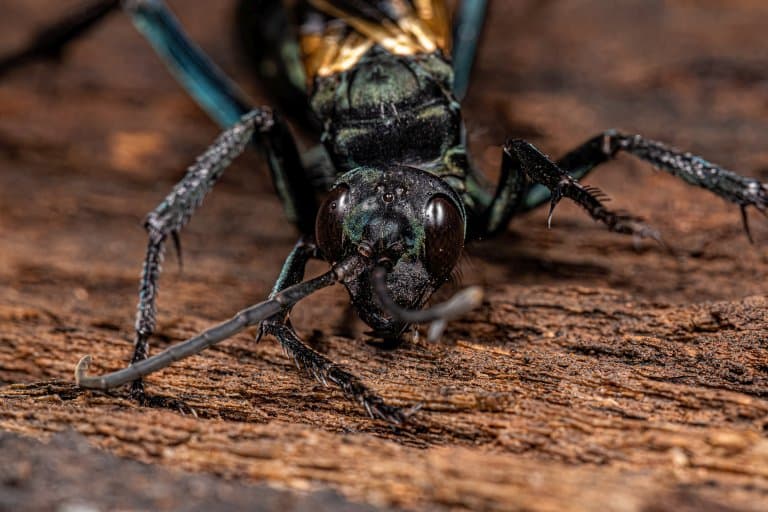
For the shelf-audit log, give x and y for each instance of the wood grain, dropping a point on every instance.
(599, 374)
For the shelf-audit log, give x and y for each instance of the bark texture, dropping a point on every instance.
(599, 375)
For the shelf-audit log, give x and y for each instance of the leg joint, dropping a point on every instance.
(613, 141)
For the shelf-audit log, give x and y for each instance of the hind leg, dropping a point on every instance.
(467, 29)
(51, 42)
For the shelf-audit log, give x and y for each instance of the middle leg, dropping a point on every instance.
(523, 165)
(740, 190)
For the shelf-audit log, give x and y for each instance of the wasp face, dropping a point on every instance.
(402, 218)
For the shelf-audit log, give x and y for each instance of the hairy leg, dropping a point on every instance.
(539, 169)
(732, 187)
(177, 208)
(315, 364)
(325, 371)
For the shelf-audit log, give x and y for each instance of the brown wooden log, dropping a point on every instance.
(598, 375)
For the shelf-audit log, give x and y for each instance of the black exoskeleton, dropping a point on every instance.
(389, 198)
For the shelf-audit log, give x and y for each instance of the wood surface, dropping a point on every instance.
(600, 374)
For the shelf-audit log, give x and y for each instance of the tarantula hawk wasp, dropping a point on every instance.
(381, 81)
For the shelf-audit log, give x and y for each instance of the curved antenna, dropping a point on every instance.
(245, 318)
(462, 302)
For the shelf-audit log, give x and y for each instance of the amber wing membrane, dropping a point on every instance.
(335, 34)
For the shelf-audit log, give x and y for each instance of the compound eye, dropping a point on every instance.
(329, 224)
(444, 236)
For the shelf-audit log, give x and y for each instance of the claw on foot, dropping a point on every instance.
(639, 230)
(377, 409)
(745, 222)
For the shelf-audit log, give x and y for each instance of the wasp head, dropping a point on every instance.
(401, 218)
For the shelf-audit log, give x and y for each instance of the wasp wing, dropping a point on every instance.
(335, 34)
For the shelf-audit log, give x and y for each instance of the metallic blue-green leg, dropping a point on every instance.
(210, 87)
(466, 35)
(741, 190)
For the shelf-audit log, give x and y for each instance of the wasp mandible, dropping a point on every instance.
(389, 197)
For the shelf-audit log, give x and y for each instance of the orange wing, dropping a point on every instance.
(337, 33)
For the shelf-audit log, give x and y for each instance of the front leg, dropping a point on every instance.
(325, 371)
(291, 273)
(320, 367)
(539, 169)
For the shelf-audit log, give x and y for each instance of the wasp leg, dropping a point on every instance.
(509, 195)
(467, 28)
(50, 42)
(325, 371)
(225, 103)
(306, 359)
(291, 273)
(177, 208)
(522, 157)
(168, 219)
(741, 190)
(204, 81)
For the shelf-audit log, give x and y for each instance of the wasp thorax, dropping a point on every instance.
(386, 81)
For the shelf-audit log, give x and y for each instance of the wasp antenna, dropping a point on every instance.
(244, 319)
(462, 302)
